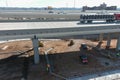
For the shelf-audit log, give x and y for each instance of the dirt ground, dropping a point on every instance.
(64, 59)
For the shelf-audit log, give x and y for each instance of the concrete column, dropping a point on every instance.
(35, 48)
(108, 41)
(101, 37)
(118, 44)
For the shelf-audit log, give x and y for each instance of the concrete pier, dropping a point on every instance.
(35, 48)
(108, 41)
(118, 44)
(101, 37)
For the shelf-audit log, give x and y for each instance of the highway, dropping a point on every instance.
(21, 30)
(49, 14)
(48, 25)
(40, 15)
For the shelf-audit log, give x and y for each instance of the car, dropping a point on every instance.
(50, 12)
(61, 13)
(84, 46)
(83, 58)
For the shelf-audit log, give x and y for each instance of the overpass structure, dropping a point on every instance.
(40, 30)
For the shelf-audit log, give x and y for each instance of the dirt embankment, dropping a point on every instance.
(65, 59)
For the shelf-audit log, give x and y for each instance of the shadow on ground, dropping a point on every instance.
(64, 64)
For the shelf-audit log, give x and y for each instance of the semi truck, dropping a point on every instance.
(108, 18)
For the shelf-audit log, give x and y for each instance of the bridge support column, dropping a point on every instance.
(101, 37)
(108, 41)
(118, 44)
(35, 48)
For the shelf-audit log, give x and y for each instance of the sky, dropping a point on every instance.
(57, 3)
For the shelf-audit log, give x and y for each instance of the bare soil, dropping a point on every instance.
(64, 59)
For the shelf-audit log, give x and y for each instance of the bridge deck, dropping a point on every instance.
(47, 25)
(21, 30)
